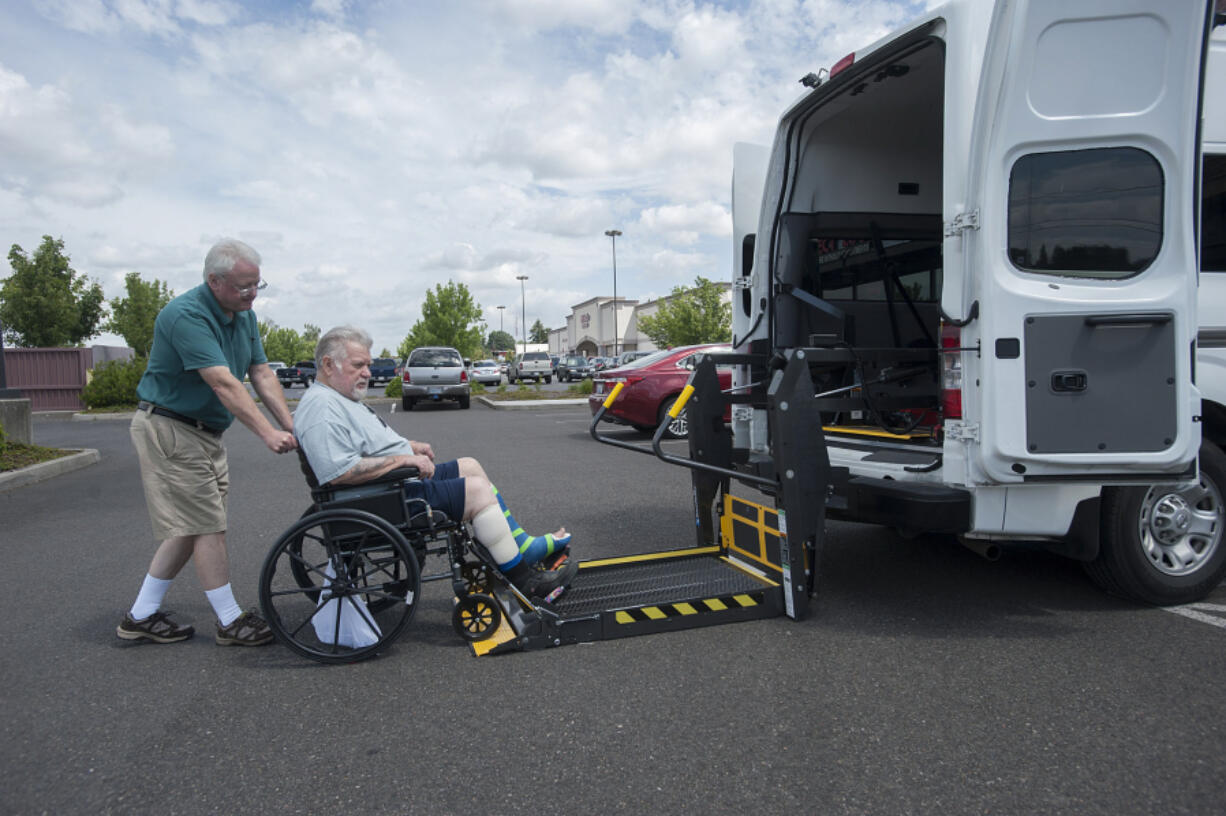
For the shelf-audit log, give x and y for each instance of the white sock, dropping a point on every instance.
(224, 605)
(490, 527)
(149, 599)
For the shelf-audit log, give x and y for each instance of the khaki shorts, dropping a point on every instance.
(185, 474)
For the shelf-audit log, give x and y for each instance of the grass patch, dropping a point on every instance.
(14, 455)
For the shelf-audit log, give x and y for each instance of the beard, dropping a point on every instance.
(359, 389)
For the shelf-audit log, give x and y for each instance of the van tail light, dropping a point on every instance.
(842, 64)
(951, 372)
(404, 378)
(463, 375)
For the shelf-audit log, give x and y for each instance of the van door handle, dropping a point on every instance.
(1068, 381)
(1135, 319)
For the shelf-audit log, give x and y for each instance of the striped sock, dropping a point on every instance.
(531, 548)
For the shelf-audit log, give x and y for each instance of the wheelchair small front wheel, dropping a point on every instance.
(339, 585)
(476, 616)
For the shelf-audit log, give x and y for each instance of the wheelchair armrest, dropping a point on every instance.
(398, 475)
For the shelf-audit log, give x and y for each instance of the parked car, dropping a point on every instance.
(554, 359)
(653, 384)
(301, 372)
(533, 365)
(275, 364)
(434, 374)
(574, 368)
(630, 356)
(382, 369)
(485, 372)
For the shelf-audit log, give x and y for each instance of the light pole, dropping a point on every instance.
(523, 299)
(500, 309)
(613, 234)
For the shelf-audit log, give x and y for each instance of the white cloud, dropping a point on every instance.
(374, 150)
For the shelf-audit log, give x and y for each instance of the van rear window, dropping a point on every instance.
(1213, 215)
(1085, 213)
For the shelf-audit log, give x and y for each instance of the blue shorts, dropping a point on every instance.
(442, 491)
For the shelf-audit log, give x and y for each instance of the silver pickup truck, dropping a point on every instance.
(533, 365)
(433, 374)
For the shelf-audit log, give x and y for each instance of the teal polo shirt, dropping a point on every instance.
(192, 332)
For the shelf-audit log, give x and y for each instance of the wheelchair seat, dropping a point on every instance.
(383, 496)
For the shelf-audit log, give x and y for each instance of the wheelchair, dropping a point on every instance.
(344, 581)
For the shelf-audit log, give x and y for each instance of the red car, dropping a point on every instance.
(653, 383)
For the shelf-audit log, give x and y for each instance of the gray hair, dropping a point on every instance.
(225, 255)
(335, 343)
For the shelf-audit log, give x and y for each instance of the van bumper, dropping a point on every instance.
(933, 508)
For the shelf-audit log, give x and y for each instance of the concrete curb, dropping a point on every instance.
(115, 417)
(503, 405)
(47, 470)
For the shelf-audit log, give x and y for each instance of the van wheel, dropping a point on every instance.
(464, 402)
(1161, 544)
(407, 403)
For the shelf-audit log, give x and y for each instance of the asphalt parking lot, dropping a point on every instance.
(927, 680)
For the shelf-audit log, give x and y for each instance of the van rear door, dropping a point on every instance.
(1080, 240)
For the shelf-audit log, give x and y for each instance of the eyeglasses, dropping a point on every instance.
(243, 291)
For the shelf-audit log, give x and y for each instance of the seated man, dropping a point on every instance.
(347, 443)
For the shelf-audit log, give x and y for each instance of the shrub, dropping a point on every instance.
(395, 388)
(477, 388)
(584, 387)
(114, 384)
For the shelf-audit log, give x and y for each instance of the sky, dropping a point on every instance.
(373, 150)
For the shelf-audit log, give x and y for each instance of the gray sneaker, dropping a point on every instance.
(158, 627)
(248, 629)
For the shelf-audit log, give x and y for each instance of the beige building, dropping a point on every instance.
(589, 326)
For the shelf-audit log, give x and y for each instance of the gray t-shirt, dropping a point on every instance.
(336, 432)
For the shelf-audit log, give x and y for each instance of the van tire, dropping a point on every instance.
(407, 403)
(464, 402)
(1141, 568)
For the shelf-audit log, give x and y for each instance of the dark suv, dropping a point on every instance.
(574, 368)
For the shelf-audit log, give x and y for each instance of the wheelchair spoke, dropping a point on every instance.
(360, 561)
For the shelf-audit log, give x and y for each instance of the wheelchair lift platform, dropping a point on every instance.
(757, 562)
(738, 580)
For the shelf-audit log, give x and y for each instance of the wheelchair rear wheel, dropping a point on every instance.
(339, 585)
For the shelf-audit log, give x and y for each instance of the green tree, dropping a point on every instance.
(286, 344)
(500, 341)
(697, 315)
(538, 333)
(132, 317)
(45, 302)
(449, 317)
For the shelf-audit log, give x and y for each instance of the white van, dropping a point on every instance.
(984, 232)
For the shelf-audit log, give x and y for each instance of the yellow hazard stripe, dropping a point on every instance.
(654, 556)
(686, 608)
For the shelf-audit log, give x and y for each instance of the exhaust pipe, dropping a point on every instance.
(989, 550)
